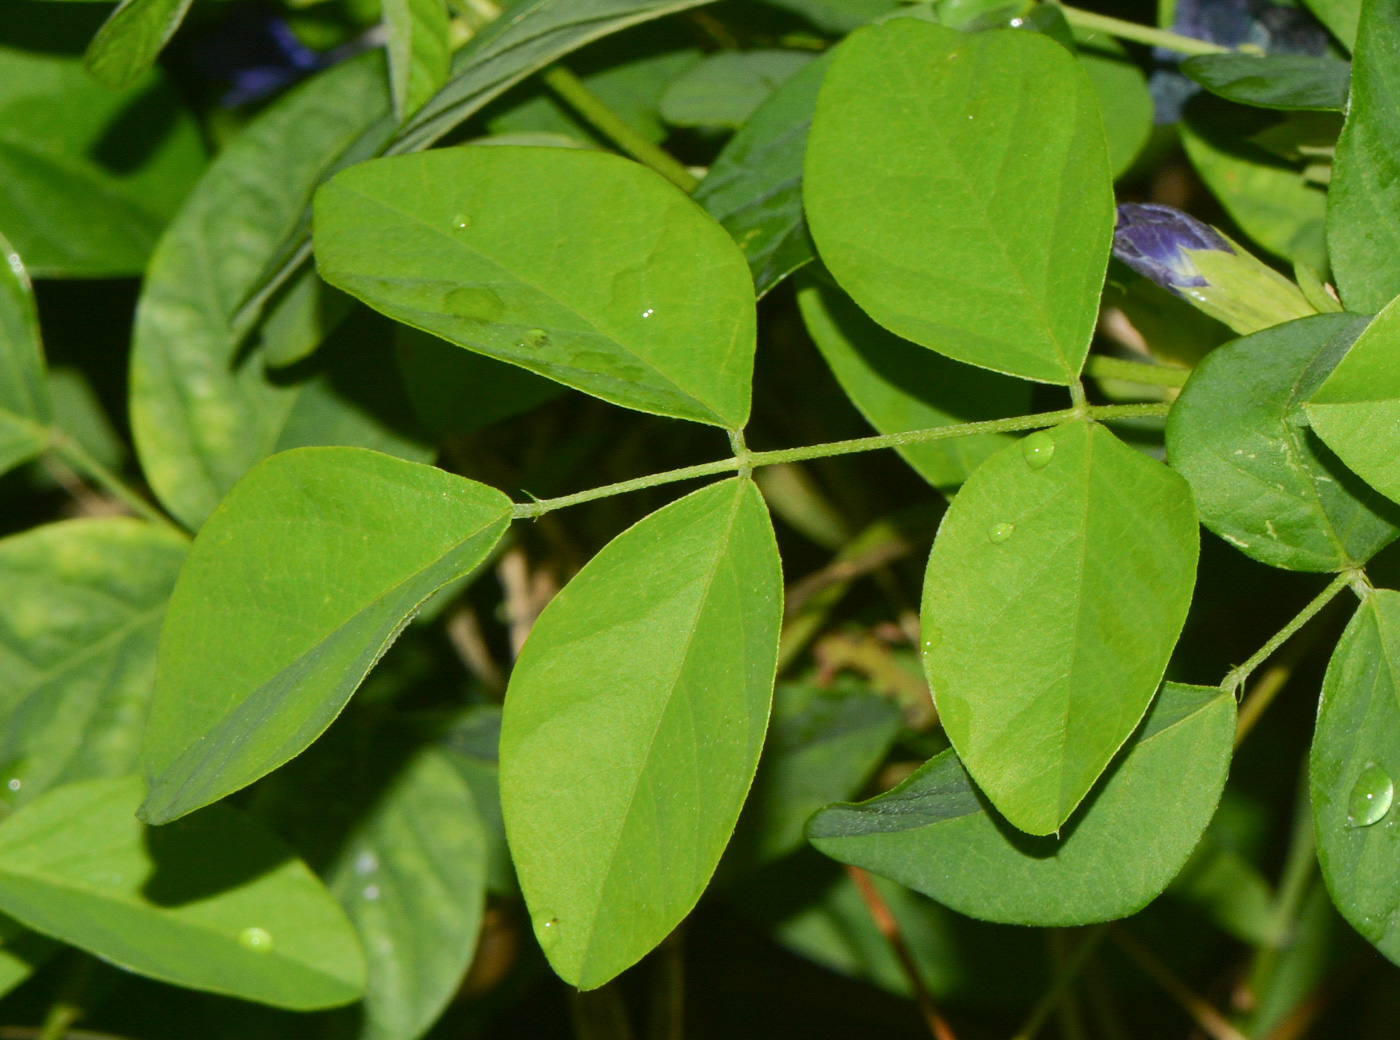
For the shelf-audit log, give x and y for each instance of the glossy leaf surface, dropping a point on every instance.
(1354, 764)
(477, 245)
(420, 51)
(310, 569)
(898, 385)
(129, 41)
(633, 725)
(754, 187)
(25, 407)
(79, 622)
(937, 834)
(1281, 81)
(203, 409)
(88, 176)
(1262, 480)
(1056, 589)
(217, 903)
(1357, 410)
(1363, 201)
(958, 188)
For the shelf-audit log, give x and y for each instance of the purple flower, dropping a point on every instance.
(1153, 240)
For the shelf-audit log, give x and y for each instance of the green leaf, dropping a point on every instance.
(1354, 762)
(899, 386)
(203, 410)
(754, 187)
(78, 626)
(478, 246)
(1261, 479)
(292, 591)
(22, 952)
(1357, 410)
(1363, 208)
(727, 88)
(958, 188)
(129, 42)
(413, 881)
(1302, 82)
(217, 903)
(472, 745)
(1123, 99)
(822, 746)
(838, 16)
(1112, 857)
(25, 407)
(1270, 199)
(633, 726)
(420, 51)
(1056, 589)
(88, 176)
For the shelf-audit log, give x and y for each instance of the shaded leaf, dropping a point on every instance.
(1354, 762)
(958, 188)
(633, 726)
(292, 591)
(1055, 592)
(1261, 479)
(25, 407)
(1280, 81)
(22, 952)
(130, 40)
(899, 386)
(216, 903)
(1112, 857)
(1363, 200)
(1357, 410)
(725, 89)
(79, 622)
(478, 245)
(1124, 100)
(754, 187)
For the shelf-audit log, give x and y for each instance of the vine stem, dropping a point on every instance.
(1139, 33)
(607, 122)
(753, 459)
(1237, 676)
(888, 927)
(76, 456)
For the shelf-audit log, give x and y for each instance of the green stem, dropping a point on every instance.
(76, 456)
(607, 122)
(755, 459)
(1065, 974)
(1101, 366)
(1139, 33)
(1237, 676)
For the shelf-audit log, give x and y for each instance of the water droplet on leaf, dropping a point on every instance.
(535, 339)
(1037, 449)
(999, 533)
(933, 637)
(547, 930)
(256, 939)
(1370, 796)
(371, 892)
(474, 304)
(461, 222)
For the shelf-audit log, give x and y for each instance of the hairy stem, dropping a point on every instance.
(1139, 33)
(754, 459)
(1237, 676)
(576, 94)
(76, 456)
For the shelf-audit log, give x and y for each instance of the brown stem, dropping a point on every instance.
(888, 927)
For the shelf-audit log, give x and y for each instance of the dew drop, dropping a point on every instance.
(535, 339)
(366, 862)
(1038, 449)
(371, 892)
(461, 222)
(999, 533)
(1370, 797)
(648, 312)
(473, 304)
(255, 939)
(14, 783)
(933, 637)
(547, 930)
